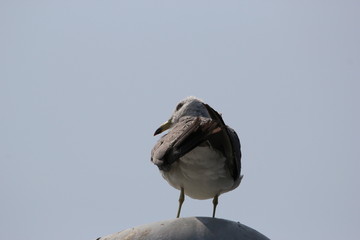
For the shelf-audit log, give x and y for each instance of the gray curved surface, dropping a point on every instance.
(192, 228)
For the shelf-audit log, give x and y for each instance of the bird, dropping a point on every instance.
(199, 155)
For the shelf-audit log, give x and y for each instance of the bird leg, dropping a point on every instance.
(181, 200)
(215, 203)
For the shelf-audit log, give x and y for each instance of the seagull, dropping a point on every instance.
(200, 155)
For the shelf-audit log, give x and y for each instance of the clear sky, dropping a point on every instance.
(84, 85)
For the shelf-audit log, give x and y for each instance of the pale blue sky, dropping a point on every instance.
(84, 84)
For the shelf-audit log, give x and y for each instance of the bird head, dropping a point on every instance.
(190, 106)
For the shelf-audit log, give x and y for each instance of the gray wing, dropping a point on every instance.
(192, 131)
(227, 141)
(181, 139)
(236, 147)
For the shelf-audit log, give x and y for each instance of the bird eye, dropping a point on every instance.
(179, 106)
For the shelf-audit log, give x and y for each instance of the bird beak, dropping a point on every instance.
(165, 126)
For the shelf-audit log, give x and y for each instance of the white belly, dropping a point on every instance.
(201, 172)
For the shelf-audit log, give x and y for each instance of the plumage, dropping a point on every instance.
(199, 155)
